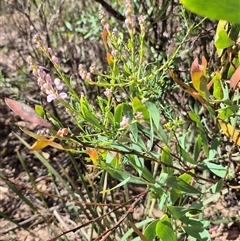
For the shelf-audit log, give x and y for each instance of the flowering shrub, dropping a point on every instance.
(124, 127)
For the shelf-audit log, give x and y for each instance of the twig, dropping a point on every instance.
(107, 233)
(112, 11)
(139, 196)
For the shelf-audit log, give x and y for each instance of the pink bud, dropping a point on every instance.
(40, 81)
(55, 59)
(124, 122)
(48, 79)
(58, 84)
(49, 51)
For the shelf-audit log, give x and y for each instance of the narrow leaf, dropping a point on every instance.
(181, 185)
(41, 143)
(167, 158)
(217, 86)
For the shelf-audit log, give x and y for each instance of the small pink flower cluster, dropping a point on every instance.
(108, 92)
(46, 84)
(83, 73)
(43, 132)
(125, 122)
(142, 24)
(130, 20)
(103, 18)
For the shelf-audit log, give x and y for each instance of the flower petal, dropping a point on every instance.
(51, 97)
(63, 95)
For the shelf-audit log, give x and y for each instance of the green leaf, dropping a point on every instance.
(118, 113)
(192, 222)
(174, 195)
(39, 110)
(177, 211)
(198, 233)
(216, 187)
(122, 183)
(217, 86)
(225, 9)
(121, 175)
(89, 117)
(222, 41)
(68, 25)
(167, 158)
(154, 113)
(164, 229)
(138, 106)
(185, 156)
(194, 117)
(218, 169)
(138, 164)
(179, 184)
(225, 113)
(134, 130)
(150, 231)
(155, 116)
(186, 177)
(197, 147)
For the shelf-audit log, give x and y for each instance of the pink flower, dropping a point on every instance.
(58, 84)
(49, 51)
(48, 78)
(51, 97)
(55, 59)
(63, 95)
(107, 92)
(139, 115)
(125, 122)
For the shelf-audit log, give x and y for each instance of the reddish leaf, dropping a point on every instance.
(198, 76)
(235, 78)
(198, 70)
(187, 88)
(26, 112)
(105, 37)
